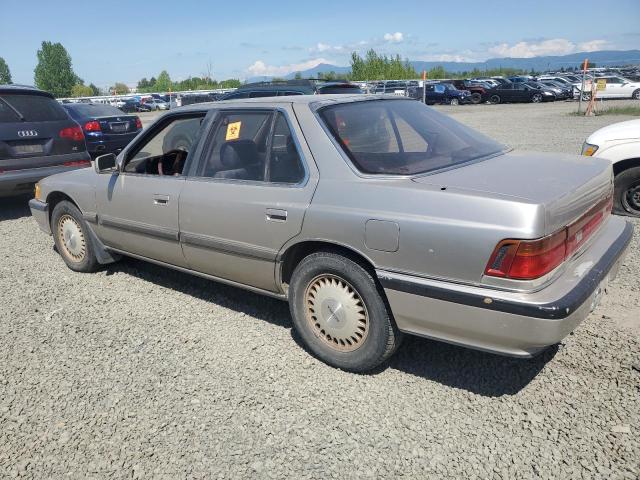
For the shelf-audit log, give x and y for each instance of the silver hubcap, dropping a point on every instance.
(336, 313)
(71, 238)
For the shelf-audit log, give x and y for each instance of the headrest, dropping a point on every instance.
(239, 154)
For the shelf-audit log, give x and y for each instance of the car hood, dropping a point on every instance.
(618, 131)
(565, 185)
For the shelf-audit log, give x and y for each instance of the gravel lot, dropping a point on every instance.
(139, 371)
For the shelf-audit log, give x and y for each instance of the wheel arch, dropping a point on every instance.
(55, 197)
(622, 165)
(293, 255)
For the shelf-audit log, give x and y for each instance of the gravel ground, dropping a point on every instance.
(139, 371)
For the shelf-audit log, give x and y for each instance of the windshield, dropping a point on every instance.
(403, 137)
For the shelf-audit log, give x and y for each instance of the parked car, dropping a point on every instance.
(37, 139)
(444, 93)
(372, 216)
(478, 91)
(620, 144)
(575, 86)
(558, 93)
(519, 92)
(106, 129)
(562, 92)
(616, 87)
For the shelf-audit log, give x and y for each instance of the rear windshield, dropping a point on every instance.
(30, 108)
(339, 89)
(403, 137)
(94, 110)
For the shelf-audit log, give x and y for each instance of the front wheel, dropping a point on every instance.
(536, 98)
(339, 311)
(494, 99)
(627, 192)
(454, 101)
(476, 98)
(586, 96)
(71, 238)
(636, 94)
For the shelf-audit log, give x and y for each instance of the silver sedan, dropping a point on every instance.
(374, 216)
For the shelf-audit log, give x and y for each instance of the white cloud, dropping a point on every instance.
(393, 37)
(553, 46)
(260, 68)
(323, 47)
(592, 45)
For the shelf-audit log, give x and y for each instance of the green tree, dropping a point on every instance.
(80, 90)
(120, 88)
(163, 83)
(5, 73)
(143, 84)
(54, 72)
(95, 91)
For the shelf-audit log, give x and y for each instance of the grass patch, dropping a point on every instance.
(628, 110)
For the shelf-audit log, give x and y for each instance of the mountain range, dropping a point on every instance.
(601, 58)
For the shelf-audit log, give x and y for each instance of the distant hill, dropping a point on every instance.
(601, 58)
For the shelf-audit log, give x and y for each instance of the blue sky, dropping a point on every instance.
(125, 41)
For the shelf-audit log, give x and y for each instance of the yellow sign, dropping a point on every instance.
(602, 84)
(233, 131)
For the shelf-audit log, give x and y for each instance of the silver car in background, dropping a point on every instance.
(374, 216)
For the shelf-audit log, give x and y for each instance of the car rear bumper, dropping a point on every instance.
(102, 146)
(40, 212)
(510, 323)
(14, 182)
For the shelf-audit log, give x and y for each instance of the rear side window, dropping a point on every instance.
(403, 137)
(7, 115)
(35, 108)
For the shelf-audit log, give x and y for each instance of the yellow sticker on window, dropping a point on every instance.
(233, 131)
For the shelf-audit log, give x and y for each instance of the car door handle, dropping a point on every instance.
(276, 215)
(160, 200)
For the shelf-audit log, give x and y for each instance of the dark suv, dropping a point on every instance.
(37, 139)
(291, 87)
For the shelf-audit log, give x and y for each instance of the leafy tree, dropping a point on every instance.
(54, 72)
(95, 91)
(120, 88)
(380, 67)
(163, 83)
(143, 84)
(5, 73)
(81, 91)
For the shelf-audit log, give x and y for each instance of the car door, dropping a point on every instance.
(137, 206)
(247, 196)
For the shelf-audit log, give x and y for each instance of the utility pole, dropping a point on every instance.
(584, 74)
(424, 86)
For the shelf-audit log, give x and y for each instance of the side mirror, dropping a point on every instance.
(106, 163)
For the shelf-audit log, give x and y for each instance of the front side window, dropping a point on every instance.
(402, 137)
(165, 153)
(253, 145)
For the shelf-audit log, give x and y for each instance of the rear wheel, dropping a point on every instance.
(586, 96)
(71, 238)
(476, 98)
(536, 98)
(494, 99)
(340, 313)
(636, 94)
(454, 101)
(627, 192)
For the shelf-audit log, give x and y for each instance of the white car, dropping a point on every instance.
(161, 104)
(617, 87)
(620, 144)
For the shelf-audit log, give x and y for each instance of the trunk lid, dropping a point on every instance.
(567, 186)
(113, 127)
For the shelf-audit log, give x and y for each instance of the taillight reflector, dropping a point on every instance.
(530, 259)
(93, 126)
(138, 124)
(72, 133)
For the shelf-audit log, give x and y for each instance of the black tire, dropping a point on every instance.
(626, 196)
(586, 96)
(381, 338)
(536, 98)
(495, 99)
(454, 101)
(476, 98)
(66, 213)
(636, 94)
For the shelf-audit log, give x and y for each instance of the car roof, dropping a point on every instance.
(291, 99)
(13, 88)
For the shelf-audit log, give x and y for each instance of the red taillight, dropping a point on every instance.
(77, 163)
(529, 259)
(72, 133)
(92, 126)
(138, 124)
